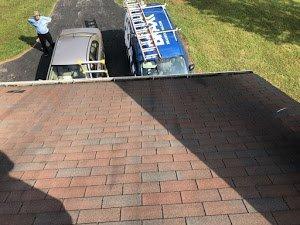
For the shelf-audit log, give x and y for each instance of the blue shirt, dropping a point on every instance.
(40, 25)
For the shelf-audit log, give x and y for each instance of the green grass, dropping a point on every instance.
(16, 35)
(260, 35)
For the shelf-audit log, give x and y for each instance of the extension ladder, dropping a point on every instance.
(143, 32)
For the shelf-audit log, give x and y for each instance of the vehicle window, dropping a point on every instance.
(94, 55)
(94, 51)
(127, 32)
(170, 66)
(174, 65)
(102, 55)
(66, 72)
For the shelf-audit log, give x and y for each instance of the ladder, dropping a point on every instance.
(143, 32)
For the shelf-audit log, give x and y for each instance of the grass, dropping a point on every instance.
(260, 35)
(16, 35)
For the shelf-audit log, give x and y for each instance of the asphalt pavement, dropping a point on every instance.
(109, 16)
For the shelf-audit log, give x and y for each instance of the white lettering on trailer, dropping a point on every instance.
(164, 34)
(159, 38)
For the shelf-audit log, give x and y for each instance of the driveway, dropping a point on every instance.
(70, 14)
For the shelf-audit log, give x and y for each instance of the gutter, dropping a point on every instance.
(123, 78)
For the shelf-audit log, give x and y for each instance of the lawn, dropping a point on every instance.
(15, 33)
(260, 35)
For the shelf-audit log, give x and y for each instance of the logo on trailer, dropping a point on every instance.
(162, 38)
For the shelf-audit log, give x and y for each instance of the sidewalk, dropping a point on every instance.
(185, 151)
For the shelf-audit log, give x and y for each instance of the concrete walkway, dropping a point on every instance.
(208, 150)
(70, 14)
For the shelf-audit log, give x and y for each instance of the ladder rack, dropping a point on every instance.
(143, 32)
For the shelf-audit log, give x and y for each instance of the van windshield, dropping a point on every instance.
(170, 66)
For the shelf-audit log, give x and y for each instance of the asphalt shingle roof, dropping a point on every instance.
(207, 150)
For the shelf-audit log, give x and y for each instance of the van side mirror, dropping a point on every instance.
(191, 67)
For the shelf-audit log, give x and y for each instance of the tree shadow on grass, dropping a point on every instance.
(233, 126)
(22, 204)
(277, 21)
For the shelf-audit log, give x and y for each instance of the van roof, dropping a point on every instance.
(168, 43)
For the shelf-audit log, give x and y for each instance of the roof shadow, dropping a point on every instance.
(22, 204)
(233, 125)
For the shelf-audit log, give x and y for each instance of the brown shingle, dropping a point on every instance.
(206, 150)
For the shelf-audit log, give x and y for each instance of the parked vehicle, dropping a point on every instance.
(153, 44)
(78, 53)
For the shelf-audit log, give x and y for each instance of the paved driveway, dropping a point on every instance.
(69, 14)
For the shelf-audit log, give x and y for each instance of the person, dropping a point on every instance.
(40, 24)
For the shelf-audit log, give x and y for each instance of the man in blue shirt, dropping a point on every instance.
(40, 24)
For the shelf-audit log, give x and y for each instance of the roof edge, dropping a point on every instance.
(123, 78)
